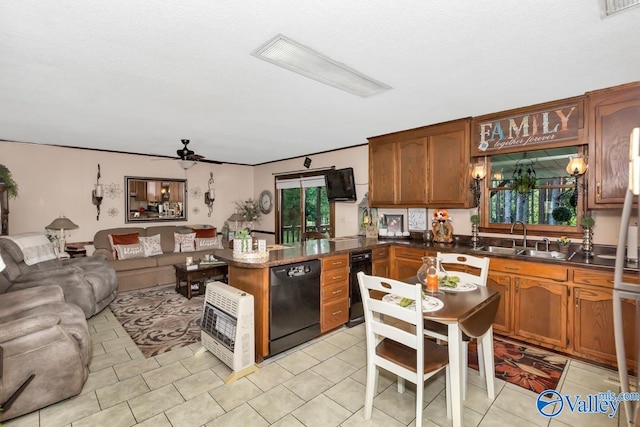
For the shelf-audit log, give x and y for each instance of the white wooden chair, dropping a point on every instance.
(408, 354)
(477, 275)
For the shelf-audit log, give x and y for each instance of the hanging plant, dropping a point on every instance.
(561, 214)
(7, 179)
(524, 177)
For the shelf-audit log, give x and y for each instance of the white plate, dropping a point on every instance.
(428, 303)
(460, 287)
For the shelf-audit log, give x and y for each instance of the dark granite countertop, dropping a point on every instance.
(314, 249)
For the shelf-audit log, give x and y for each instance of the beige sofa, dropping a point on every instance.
(149, 271)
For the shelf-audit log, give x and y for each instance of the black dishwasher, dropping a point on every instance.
(358, 261)
(294, 305)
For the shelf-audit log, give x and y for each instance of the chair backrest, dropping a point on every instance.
(480, 266)
(309, 235)
(382, 319)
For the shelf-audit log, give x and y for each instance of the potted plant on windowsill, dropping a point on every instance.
(7, 179)
(564, 243)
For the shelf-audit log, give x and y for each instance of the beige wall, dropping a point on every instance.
(57, 180)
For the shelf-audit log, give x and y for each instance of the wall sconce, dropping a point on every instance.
(478, 173)
(97, 194)
(576, 167)
(210, 195)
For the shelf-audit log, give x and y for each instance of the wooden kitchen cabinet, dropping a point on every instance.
(140, 188)
(380, 262)
(153, 191)
(405, 262)
(398, 169)
(421, 167)
(174, 192)
(334, 292)
(503, 284)
(593, 326)
(540, 300)
(613, 113)
(448, 153)
(540, 311)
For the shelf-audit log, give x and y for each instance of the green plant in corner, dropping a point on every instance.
(7, 179)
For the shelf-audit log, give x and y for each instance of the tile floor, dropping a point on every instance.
(320, 383)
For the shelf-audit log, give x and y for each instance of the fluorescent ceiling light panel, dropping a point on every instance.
(300, 59)
(615, 6)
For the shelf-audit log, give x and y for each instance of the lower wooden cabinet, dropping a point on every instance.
(540, 311)
(405, 262)
(502, 283)
(593, 327)
(334, 292)
(380, 262)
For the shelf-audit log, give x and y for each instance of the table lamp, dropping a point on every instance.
(62, 223)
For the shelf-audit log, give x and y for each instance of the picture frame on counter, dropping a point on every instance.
(417, 219)
(395, 223)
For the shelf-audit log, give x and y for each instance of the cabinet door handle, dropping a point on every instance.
(510, 268)
(336, 277)
(517, 287)
(598, 189)
(339, 291)
(335, 313)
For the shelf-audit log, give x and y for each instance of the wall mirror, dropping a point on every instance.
(155, 199)
(534, 187)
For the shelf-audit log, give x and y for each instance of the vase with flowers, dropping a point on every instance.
(564, 243)
(250, 211)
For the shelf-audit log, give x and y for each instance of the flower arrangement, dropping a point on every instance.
(249, 209)
(563, 241)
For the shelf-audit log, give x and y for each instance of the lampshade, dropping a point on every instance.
(62, 223)
(236, 217)
(577, 165)
(2, 265)
(479, 171)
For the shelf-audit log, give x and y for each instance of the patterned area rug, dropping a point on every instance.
(159, 319)
(528, 367)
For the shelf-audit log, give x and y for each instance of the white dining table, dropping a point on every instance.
(473, 313)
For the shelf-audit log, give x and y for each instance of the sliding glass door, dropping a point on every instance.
(303, 207)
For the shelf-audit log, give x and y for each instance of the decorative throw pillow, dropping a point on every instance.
(130, 251)
(203, 233)
(184, 242)
(122, 239)
(151, 245)
(210, 243)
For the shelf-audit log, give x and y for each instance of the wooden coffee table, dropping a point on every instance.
(185, 277)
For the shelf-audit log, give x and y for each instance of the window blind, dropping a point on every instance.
(306, 182)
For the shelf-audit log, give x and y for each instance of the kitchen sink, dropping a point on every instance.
(543, 254)
(499, 250)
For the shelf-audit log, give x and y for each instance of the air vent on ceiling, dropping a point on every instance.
(614, 6)
(300, 59)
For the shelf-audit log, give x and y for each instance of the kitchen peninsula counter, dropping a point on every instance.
(576, 277)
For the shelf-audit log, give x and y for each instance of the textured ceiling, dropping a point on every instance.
(138, 76)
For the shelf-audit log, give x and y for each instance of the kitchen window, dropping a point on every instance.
(533, 187)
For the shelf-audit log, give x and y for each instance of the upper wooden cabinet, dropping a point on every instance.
(421, 167)
(613, 113)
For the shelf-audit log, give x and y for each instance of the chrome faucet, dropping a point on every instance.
(524, 231)
(546, 243)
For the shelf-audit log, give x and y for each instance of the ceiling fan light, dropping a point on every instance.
(186, 164)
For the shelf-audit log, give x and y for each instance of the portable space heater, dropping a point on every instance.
(227, 328)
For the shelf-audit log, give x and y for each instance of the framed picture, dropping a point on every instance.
(394, 223)
(417, 219)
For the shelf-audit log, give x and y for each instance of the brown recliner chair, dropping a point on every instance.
(46, 350)
(89, 283)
